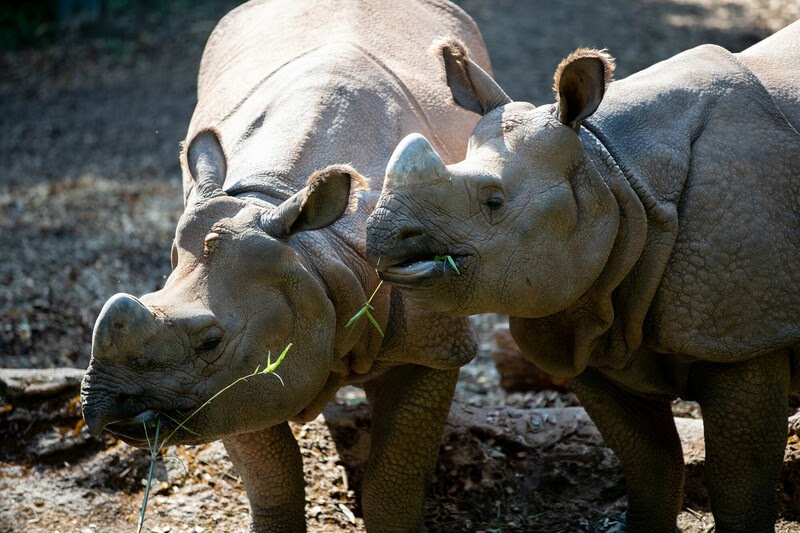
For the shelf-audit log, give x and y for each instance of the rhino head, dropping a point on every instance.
(526, 219)
(238, 291)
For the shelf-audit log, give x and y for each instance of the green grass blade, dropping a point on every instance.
(365, 310)
(356, 317)
(173, 419)
(153, 455)
(374, 323)
(453, 263)
(271, 367)
(375, 292)
(447, 260)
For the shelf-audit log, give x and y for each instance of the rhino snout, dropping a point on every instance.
(390, 241)
(100, 406)
(123, 322)
(121, 403)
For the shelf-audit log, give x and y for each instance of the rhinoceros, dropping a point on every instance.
(270, 251)
(644, 237)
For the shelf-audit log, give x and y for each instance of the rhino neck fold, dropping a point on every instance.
(564, 343)
(627, 254)
(354, 348)
(348, 283)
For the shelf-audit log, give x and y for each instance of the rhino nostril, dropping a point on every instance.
(410, 233)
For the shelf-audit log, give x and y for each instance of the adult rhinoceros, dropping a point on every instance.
(644, 235)
(267, 253)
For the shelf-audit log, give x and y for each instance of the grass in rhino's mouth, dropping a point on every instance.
(447, 260)
(157, 446)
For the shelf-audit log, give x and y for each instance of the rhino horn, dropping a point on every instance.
(123, 324)
(207, 164)
(415, 162)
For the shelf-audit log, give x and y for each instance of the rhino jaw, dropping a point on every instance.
(140, 430)
(134, 426)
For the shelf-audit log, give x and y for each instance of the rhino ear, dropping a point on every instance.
(580, 83)
(206, 162)
(472, 88)
(320, 203)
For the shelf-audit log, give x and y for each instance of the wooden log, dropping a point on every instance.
(517, 374)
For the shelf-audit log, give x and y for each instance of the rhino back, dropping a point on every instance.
(335, 103)
(717, 168)
(776, 61)
(261, 37)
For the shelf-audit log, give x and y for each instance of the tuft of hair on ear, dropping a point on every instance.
(452, 47)
(586, 53)
(358, 183)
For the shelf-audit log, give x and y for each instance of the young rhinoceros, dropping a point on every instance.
(644, 236)
(265, 255)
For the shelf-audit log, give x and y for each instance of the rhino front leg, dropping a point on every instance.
(744, 411)
(271, 467)
(642, 434)
(410, 405)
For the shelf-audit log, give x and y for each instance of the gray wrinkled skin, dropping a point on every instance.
(270, 251)
(644, 236)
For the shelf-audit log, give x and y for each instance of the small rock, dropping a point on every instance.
(315, 511)
(347, 513)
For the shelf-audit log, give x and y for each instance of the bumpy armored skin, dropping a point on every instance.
(409, 404)
(270, 252)
(644, 237)
(272, 470)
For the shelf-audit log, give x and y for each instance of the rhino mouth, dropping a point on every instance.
(140, 430)
(422, 271)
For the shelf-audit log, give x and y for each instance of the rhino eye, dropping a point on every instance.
(209, 345)
(494, 203)
(208, 340)
(492, 200)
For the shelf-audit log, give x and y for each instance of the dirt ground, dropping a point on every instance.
(89, 198)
